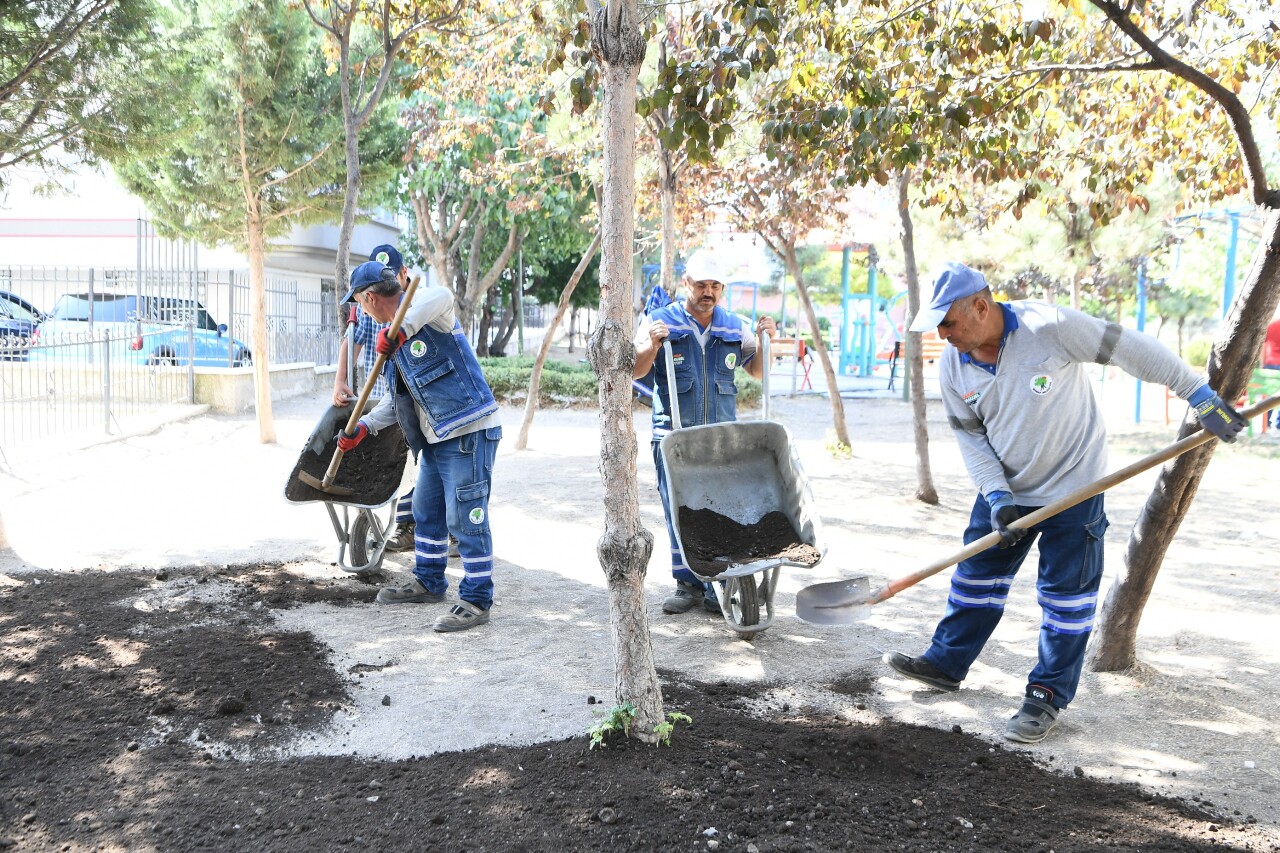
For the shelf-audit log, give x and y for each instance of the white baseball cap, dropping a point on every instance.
(705, 266)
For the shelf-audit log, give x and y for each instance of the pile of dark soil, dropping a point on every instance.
(714, 542)
(116, 687)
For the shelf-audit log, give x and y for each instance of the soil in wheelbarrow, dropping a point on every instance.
(372, 470)
(714, 542)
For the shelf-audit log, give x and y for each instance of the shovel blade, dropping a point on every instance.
(835, 602)
(331, 489)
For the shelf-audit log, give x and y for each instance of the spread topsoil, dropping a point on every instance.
(714, 542)
(152, 711)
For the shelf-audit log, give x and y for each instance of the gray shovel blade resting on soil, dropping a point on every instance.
(847, 601)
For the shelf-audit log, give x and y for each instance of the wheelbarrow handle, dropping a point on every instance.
(371, 380)
(672, 394)
(1202, 436)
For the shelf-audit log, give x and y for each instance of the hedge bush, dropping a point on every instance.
(565, 383)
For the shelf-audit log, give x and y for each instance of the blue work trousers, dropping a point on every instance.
(1066, 588)
(452, 496)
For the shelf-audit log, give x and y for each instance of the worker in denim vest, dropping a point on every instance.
(707, 344)
(451, 421)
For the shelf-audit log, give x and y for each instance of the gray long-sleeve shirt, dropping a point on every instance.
(1034, 427)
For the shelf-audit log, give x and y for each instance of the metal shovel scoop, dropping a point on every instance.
(326, 485)
(848, 601)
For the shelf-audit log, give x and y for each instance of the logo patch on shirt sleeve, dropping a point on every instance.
(1041, 384)
(972, 398)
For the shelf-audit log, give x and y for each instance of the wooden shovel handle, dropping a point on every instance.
(1080, 495)
(372, 379)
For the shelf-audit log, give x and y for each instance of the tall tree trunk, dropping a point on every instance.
(625, 546)
(351, 198)
(925, 490)
(667, 181)
(258, 326)
(828, 370)
(573, 327)
(486, 324)
(1230, 366)
(535, 378)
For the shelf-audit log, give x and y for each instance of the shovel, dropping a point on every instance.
(326, 485)
(848, 601)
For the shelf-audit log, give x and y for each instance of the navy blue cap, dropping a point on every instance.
(955, 282)
(389, 255)
(370, 272)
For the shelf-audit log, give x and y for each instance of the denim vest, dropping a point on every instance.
(704, 377)
(443, 378)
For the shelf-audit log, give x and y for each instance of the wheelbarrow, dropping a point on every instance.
(362, 535)
(742, 470)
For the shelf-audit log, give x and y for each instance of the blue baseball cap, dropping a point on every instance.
(389, 255)
(370, 272)
(955, 282)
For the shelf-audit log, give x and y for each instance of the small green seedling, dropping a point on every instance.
(664, 730)
(616, 724)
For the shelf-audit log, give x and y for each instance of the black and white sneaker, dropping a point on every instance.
(921, 670)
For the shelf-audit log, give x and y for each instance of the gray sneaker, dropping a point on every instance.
(460, 617)
(1032, 723)
(686, 597)
(402, 539)
(453, 546)
(411, 593)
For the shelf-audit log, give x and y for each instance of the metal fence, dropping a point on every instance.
(60, 382)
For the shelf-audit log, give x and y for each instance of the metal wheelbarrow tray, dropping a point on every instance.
(354, 520)
(742, 470)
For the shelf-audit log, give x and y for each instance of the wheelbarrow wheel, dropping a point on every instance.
(744, 604)
(364, 541)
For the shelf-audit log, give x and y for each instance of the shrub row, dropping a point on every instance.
(565, 383)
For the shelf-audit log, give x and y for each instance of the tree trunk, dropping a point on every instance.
(1230, 366)
(573, 327)
(667, 181)
(486, 325)
(535, 378)
(925, 490)
(350, 199)
(625, 546)
(258, 326)
(837, 404)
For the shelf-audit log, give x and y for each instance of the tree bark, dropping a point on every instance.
(625, 546)
(258, 327)
(535, 378)
(837, 404)
(914, 364)
(1230, 366)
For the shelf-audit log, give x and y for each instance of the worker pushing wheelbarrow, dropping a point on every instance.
(723, 483)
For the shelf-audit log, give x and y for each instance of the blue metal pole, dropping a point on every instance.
(1142, 324)
(869, 333)
(1229, 279)
(846, 332)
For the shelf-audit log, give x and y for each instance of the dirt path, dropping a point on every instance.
(202, 499)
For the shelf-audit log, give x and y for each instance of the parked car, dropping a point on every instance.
(154, 330)
(18, 321)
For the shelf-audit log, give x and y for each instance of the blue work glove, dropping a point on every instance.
(1215, 415)
(1004, 513)
(347, 443)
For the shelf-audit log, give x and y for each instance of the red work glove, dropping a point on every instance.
(386, 345)
(347, 443)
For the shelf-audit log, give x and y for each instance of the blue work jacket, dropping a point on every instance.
(704, 376)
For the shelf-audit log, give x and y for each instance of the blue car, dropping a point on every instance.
(18, 321)
(154, 330)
